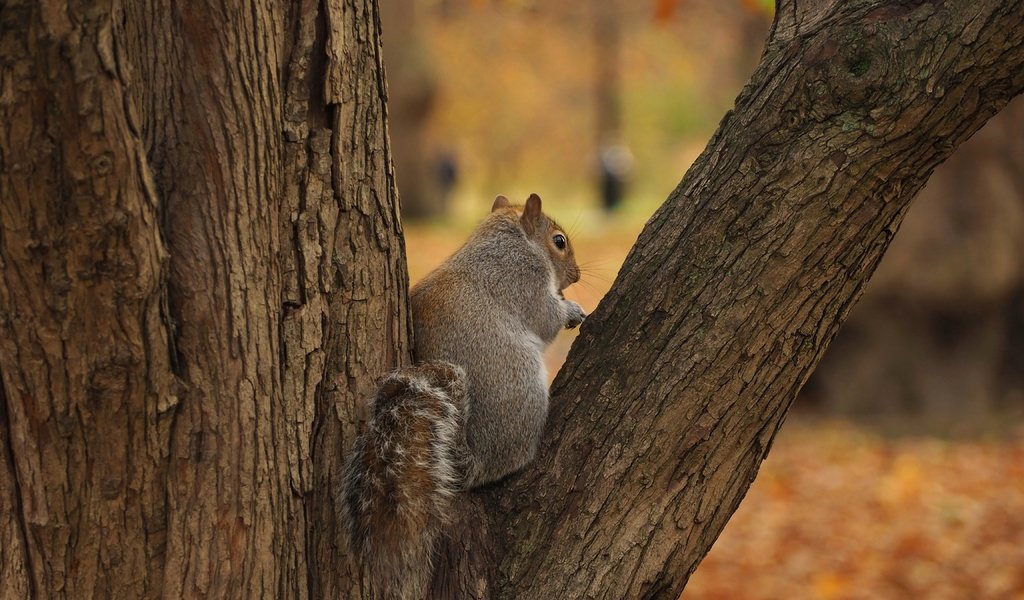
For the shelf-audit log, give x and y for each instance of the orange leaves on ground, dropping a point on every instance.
(839, 513)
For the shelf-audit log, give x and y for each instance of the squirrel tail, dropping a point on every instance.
(401, 477)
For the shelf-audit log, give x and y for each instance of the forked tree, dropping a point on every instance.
(202, 274)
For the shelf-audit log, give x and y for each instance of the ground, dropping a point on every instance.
(838, 511)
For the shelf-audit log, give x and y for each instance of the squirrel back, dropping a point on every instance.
(492, 308)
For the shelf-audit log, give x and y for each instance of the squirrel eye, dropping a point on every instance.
(559, 240)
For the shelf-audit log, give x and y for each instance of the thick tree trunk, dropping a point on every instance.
(201, 274)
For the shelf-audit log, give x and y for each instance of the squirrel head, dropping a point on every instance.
(543, 230)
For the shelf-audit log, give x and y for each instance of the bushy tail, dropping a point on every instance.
(403, 473)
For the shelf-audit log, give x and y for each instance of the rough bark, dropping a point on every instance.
(85, 353)
(201, 274)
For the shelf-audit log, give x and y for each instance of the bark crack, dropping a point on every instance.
(19, 512)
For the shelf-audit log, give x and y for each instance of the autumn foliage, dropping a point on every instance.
(839, 512)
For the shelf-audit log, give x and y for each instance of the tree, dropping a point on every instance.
(201, 273)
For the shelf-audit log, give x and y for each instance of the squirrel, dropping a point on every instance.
(472, 409)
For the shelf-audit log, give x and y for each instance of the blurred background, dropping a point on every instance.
(900, 470)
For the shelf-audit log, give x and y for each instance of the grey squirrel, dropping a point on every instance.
(472, 409)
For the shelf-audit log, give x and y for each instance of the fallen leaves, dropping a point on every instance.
(840, 513)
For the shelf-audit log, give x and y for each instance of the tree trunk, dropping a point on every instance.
(746, 273)
(202, 273)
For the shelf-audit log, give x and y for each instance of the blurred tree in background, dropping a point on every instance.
(647, 77)
(412, 92)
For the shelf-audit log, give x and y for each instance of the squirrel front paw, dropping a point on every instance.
(574, 315)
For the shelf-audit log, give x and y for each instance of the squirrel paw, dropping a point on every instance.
(575, 315)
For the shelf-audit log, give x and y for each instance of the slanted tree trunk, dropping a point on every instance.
(201, 273)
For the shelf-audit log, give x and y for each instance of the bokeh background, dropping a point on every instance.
(900, 471)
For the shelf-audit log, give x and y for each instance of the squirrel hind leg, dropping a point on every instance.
(401, 477)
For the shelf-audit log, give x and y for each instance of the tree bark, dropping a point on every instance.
(202, 274)
(933, 334)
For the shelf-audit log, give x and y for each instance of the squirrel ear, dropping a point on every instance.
(531, 214)
(500, 202)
